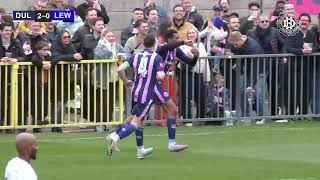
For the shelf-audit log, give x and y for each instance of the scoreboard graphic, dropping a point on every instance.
(44, 16)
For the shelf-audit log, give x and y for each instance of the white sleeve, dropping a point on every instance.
(12, 175)
(219, 35)
(205, 32)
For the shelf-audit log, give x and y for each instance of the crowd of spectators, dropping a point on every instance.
(223, 32)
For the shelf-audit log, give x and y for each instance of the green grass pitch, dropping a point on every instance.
(288, 151)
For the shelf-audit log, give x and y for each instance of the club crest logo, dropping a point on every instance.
(287, 25)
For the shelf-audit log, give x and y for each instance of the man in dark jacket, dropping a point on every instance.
(277, 12)
(302, 43)
(101, 10)
(90, 41)
(249, 22)
(79, 35)
(191, 14)
(29, 41)
(252, 70)
(10, 52)
(131, 30)
(271, 42)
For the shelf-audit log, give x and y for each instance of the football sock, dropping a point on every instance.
(139, 137)
(171, 124)
(122, 125)
(126, 130)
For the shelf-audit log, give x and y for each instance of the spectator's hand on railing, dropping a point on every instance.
(5, 59)
(195, 52)
(12, 60)
(128, 84)
(46, 66)
(215, 49)
(307, 50)
(77, 56)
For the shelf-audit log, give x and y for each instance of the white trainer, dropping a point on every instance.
(177, 147)
(260, 122)
(112, 144)
(144, 153)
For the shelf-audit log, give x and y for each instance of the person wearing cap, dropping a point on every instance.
(248, 46)
(249, 22)
(216, 11)
(213, 34)
(213, 31)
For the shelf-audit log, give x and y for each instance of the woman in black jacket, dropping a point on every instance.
(63, 50)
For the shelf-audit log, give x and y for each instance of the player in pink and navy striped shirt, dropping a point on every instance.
(148, 69)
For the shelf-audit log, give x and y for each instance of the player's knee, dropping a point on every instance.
(129, 119)
(173, 111)
(136, 122)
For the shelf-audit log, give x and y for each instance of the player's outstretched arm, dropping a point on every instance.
(121, 71)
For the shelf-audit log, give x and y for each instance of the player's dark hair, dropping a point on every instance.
(163, 28)
(253, 4)
(4, 24)
(170, 33)
(139, 22)
(40, 45)
(90, 9)
(177, 5)
(149, 40)
(95, 20)
(306, 15)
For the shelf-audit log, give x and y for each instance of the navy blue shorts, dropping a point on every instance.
(141, 110)
(161, 96)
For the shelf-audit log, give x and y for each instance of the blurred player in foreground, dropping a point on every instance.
(20, 167)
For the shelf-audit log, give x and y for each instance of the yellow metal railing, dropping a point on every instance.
(34, 98)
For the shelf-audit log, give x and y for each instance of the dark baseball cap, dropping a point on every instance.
(217, 7)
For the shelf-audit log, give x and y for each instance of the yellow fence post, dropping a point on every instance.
(121, 98)
(14, 95)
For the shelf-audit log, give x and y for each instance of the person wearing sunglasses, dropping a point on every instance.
(63, 50)
(271, 42)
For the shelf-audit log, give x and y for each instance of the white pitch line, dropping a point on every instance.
(178, 134)
(308, 178)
